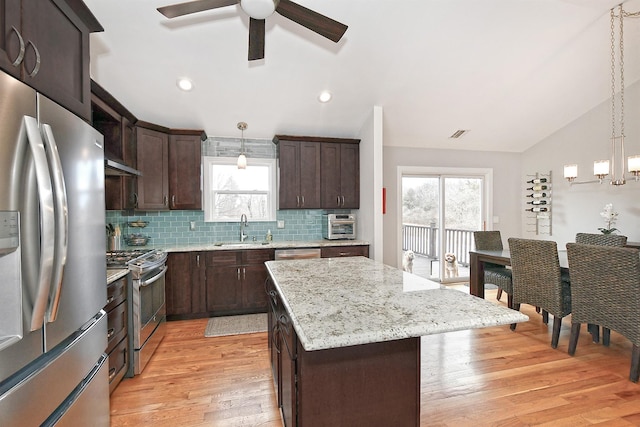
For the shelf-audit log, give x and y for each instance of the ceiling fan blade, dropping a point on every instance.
(256, 39)
(194, 6)
(326, 27)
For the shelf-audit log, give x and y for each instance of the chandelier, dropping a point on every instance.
(616, 165)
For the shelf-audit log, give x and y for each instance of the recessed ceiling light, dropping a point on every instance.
(185, 84)
(325, 96)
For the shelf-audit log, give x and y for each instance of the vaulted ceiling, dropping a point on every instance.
(511, 72)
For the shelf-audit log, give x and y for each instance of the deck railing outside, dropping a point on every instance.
(423, 240)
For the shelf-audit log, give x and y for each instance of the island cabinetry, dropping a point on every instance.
(340, 175)
(299, 166)
(185, 289)
(356, 382)
(344, 251)
(117, 342)
(235, 281)
(46, 45)
(185, 148)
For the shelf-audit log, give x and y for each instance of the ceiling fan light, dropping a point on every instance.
(259, 9)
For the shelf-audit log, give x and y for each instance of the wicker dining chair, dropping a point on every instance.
(495, 274)
(605, 290)
(537, 280)
(601, 239)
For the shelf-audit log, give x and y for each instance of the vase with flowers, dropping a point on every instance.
(610, 217)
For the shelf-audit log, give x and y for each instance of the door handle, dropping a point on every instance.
(20, 56)
(47, 222)
(36, 67)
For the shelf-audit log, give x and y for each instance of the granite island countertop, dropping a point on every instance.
(340, 302)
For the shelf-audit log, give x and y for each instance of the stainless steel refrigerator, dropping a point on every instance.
(53, 331)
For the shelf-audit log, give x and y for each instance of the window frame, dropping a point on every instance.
(209, 193)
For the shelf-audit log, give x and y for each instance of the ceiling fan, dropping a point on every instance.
(258, 10)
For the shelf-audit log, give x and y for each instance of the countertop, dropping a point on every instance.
(339, 302)
(288, 244)
(114, 274)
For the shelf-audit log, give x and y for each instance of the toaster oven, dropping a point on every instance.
(338, 226)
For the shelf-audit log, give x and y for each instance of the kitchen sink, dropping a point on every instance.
(241, 244)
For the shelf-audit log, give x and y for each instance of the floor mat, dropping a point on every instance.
(235, 325)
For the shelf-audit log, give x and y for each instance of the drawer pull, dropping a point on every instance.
(112, 373)
(110, 299)
(110, 332)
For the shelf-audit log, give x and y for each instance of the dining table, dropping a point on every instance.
(478, 258)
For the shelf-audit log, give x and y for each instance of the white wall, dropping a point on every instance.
(577, 208)
(506, 187)
(370, 213)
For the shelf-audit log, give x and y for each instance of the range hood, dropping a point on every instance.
(115, 168)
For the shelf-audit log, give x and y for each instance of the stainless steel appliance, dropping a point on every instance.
(338, 226)
(53, 331)
(302, 253)
(146, 298)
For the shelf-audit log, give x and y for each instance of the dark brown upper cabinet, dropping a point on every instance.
(318, 173)
(185, 169)
(170, 163)
(45, 43)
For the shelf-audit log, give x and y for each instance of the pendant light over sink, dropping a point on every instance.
(242, 159)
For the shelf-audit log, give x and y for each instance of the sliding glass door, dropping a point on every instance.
(440, 212)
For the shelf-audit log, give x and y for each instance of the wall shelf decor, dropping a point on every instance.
(537, 201)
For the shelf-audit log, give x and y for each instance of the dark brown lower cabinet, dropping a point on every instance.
(185, 290)
(375, 384)
(117, 342)
(341, 251)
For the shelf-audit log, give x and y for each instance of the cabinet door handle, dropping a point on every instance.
(112, 373)
(238, 273)
(165, 200)
(135, 200)
(36, 67)
(110, 332)
(298, 201)
(173, 201)
(302, 197)
(20, 56)
(244, 273)
(198, 260)
(343, 201)
(110, 299)
(338, 200)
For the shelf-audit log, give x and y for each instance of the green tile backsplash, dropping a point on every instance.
(172, 227)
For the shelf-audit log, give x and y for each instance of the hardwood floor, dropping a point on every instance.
(482, 377)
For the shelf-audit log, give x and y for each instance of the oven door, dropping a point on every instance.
(151, 305)
(342, 229)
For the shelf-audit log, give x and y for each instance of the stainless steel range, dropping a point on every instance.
(146, 301)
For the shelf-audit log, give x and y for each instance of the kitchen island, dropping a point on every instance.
(345, 338)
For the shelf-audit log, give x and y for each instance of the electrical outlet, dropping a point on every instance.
(280, 223)
(192, 225)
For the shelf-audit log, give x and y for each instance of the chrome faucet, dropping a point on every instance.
(243, 224)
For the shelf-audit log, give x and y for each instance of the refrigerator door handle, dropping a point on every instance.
(61, 218)
(47, 227)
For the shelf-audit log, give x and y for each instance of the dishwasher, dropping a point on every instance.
(289, 254)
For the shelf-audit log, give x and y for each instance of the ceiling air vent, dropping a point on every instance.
(459, 133)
